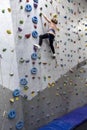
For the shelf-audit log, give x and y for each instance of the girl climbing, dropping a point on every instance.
(50, 34)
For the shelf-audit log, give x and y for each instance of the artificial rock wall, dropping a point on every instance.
(53, 89)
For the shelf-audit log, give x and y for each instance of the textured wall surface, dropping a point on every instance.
(70, 41)
(56, 88)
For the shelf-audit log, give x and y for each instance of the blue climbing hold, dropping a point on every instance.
(23, 81)
(35, 20)
(28, 7)
(16, 93)
(34, 56)
(35, 1)
(19, 125)
(34, 34)
(12, 114)
(33, 70)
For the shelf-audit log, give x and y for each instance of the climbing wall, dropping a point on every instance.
(49, 87)
(38, 69)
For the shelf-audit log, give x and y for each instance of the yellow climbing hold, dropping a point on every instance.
(9, 9)
(12, 100)
(55, 16)
(57, 94)
(33, 93)
(17, 98)
(9, 32)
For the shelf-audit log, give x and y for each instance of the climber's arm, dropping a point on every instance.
(48, 20)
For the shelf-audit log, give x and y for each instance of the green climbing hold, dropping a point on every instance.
(4, 49)
(40, 14)
(21, 21)
(21, 7)
(21, 60)
(19, 36)
(46, 5)
(3, 11)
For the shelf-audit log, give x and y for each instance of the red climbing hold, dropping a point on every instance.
(27, 35)
(35, 26)
(27, 0)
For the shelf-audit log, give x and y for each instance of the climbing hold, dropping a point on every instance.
(4, 49)
(19, 125)
(28, 7)
(21, 7)
(16, 93)
(34, 34)
(19, 29)
(12, 100)
(27, 35)
(55, 16)
(21, 60)
(46, 5)
(26, 87)
(9, 9)
(27, 61)
(68, 1)
(33, 77)
(34, 56)
(23, 81)
(3, 11)
(11, 74)
(44, 63)
(44, 78)
(19, 36)
(35, 20)
(8, 31)
(27, 0)
(25, 96)
(12, 114)
(36, 1)
(45, 24)
(32, 93)
(65, 17)
(33, 70)
(35, 26)
(20, 0)
(35, 5)
(21, 21)
(40, 14)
